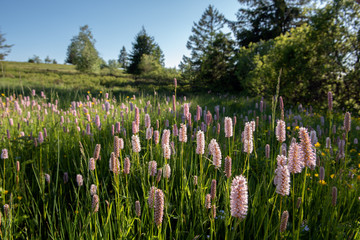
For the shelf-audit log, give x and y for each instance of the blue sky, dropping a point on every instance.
(45, 28)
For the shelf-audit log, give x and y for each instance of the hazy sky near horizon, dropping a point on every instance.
(45, 28)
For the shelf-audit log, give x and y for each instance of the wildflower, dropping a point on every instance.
(174, 103)
(95, 203)
(308, 151)
(317, 144)
(79, 180)
(97, 151)
(216, 153)
(186, 110)
(213, 211)
(313, 137)
(208, 201)
(167, 151)
(114, 164)
(267, 151)
(167, 171)
(284, 221)
(182, 133)
(248, 137)
(332, 175)
(213, 189)
(165, 140)
(152, 168)
(322, 173)
(195, 180)
(149, 132)
(4, 154)
(117, 146)
(159, 207)
(156, 137)
(341, 147)
(280, 131)
(334, 196)
(330, 101)
(322, 182)
(47, 178)
(151, 196)
(200, 140)
(126, 165)
(296, 163)
(282, 180)
(228, 166)
(239, 197)
(92, 164)
(296, 128)
(137, 208)
(135, 141)
(228, 127)
(93, 189)
(6, 210)
(281, 160)
(347, 122)
(135, 128)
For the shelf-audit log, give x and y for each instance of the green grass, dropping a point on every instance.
(59, 210)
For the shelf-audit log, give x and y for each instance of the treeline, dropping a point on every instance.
(311, 47)
(146, 58)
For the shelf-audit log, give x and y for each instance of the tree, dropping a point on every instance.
(123, 58)
(82, 53)
(113, 66)
(4, 48)
(216, 65)
(266, 19)
(320, 56)
(35, 59)
(206, 41)
(47, 59)
(204, 34)
(144, 44)
(149, 64)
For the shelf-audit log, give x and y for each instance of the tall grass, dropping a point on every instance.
(61, 209)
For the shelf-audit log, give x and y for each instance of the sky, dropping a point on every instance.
(45, 27)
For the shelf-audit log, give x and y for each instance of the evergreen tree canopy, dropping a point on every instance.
(204, 34)
(144, 44)
(211, 50)
(266, 19)
(123, 58)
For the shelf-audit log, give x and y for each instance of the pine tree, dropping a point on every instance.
(266, 19)
(123, 58)
(204, 34)
(144, 44)
(205, 43)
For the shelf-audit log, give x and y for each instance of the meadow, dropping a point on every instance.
(99, 164)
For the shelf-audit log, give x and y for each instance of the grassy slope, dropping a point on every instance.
(22, 76)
